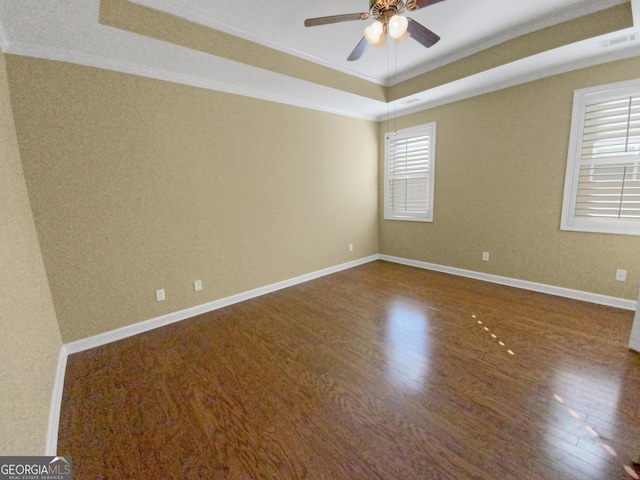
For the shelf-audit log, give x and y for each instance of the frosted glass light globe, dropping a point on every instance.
(373, 32)
(398, 26)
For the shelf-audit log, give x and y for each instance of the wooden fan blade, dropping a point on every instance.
(347, 17)
(417, 4)
(358, 51)
(422, 34)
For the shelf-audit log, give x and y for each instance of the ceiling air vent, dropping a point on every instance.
(612, 42)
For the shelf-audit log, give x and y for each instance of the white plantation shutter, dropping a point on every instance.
(608, 191)
(602, 189)
(409, 168)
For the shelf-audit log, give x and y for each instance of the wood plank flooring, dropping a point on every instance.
(379, 372)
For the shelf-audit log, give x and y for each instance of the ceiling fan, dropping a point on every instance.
(387, 20)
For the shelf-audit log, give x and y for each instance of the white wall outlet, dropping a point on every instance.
(197, 285)
(621, 275)
(351, 247)
(160, 295)
(485, 256)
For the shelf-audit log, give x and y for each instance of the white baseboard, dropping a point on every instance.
(130, 330)
(524, 284)
(56, 402)
(144, 326)
(634, 340)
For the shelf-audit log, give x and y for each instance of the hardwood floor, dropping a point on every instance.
(379, 372)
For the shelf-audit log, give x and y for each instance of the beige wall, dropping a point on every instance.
(138, 184)
(500, 167)
(30, 341)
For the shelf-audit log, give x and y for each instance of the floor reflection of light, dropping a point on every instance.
(493, 335)
(610, 450)
(631, 472)
(563, 417)
(408, 345)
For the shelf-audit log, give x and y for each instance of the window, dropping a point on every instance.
(409, 173)
(602, 184)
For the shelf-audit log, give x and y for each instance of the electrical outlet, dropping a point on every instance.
(160, 295)
(351, 247)
(485, 256)
(621, 275)
(197, 285)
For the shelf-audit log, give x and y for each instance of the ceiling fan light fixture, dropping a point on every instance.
(373, 32)
(398, 26)
(388, 21)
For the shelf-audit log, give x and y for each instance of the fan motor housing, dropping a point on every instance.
(384, 8)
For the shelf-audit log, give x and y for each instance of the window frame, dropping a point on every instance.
(581, 99)
(407, 133)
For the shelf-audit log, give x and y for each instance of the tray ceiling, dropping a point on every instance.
(263, 50)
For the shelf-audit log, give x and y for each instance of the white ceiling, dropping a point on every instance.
(465, 26)
(68, 30)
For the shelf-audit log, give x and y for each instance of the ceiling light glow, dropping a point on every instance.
(398, 26)
(373, 32)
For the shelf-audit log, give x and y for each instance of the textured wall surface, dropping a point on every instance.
(120, 185)
(30, 340)
(138, 184)
(500, 168)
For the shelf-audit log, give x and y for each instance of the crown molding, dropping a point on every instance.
(162, 61)
(509, 75)
(303, 101)
(546, 21)
(202, 18)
